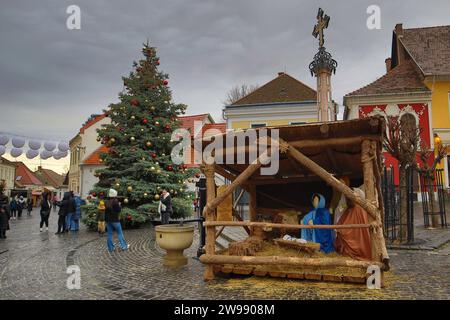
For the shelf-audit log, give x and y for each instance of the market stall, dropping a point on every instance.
(318, 163)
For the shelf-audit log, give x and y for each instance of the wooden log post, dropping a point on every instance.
(252, 205)
(280, 260)
(368, 154)
(209, 172)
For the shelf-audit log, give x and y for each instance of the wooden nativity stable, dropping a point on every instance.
(312, 157)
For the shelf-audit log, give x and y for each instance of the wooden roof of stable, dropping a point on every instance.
(339, 159)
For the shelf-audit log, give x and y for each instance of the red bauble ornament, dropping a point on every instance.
(129, 218)
(168, 127)
(170, 168)
(157, 63)
(139, 69)
(165, 82)
(134, 102)
(153, 155)
(145, 121)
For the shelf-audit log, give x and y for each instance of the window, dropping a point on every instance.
(296, 123)
(258, 125)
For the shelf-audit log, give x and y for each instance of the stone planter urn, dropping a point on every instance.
(174, 239)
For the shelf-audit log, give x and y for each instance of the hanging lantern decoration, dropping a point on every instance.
(45, 154)
(18, 142)
(34, 145)
(49, 146)
(4, 140)
(63, 146)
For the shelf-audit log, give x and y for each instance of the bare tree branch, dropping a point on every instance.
(238, 92)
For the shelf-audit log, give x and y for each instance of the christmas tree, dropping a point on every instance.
(138, 162)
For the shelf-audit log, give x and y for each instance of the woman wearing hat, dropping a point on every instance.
(112, 212)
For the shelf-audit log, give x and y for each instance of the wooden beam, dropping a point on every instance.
(329, 178)
(210, 241)
(282, 225)
(227, 175)
(238, 198)
(332, 141)
(289, 261)
(252, 206)
(368, 154)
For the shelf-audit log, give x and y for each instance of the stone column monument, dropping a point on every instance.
(322, 67)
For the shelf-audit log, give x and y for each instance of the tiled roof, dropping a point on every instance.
(94, 157)
(430, 48)
(222, 127)
(92, 122)
(26, 175)
(50, 177)
(283, 88)
(187, 122)
(401, 79)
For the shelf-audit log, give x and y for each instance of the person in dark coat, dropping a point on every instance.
(4, 215)
(112, 220)
(21, 204)
(45, 211)
(13, 208)
(63, 205)
(29, 207)
(165, 207)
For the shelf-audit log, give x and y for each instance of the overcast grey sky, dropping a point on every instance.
(52, 78)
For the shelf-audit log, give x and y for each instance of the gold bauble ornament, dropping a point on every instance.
(157, 123)
(132, 139)
(152, 168)
(149, 144)
(152, 108)
(133, 117)
(130, 188)
(117, 185)
(112, 140)
(158, 171)
(156, 196)
(126, 200)
(158, 188)
(145, 194)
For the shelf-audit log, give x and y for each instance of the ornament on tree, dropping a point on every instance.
(156, 123)
(152, 168)
(145, 194)
(134, 102)
(112, 140)
(132, 139)
(170, 168)
(156, 197)
(126, 201)
(130, 189)
(165, 82)
(154, 155)
(132, 117)
(152, 108)
(157, 62)
(144, 121)
(148, 144)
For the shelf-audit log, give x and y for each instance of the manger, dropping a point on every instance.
(337, 166)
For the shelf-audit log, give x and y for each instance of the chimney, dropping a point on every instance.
(399, 30)
(400, 50)
(280, 73)
(388, 62)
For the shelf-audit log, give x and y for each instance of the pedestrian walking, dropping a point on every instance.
(112, 212)
(63, 204)
(4, 213)
(29, 207)
(45, 211)
(165, 207)
(101, 217)
(21, 204)
(70, 211)
(75, 226)
(13, 208)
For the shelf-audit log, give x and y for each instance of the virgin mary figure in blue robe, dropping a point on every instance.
(318, 215)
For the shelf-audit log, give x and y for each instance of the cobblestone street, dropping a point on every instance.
(33, 266)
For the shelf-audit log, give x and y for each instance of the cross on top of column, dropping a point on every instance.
(322, 23)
